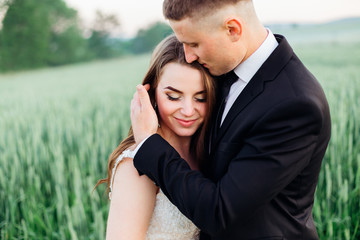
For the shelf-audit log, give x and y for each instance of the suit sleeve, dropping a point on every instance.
(277, 148)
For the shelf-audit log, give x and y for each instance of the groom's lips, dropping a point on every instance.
(204, 65)
(185, 123)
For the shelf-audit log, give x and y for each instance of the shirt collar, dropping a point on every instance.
(247, 69)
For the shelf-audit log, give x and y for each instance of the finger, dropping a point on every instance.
(147, 87)
(136, 98)
(135, 104)
(143, 97)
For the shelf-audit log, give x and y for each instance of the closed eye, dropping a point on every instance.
(200, 98)
(172, 97)
(192, 45)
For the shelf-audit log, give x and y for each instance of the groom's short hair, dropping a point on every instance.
(180, 9)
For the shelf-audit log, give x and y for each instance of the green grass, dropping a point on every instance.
(337, 203)
(58, 126)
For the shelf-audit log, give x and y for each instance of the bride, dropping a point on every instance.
(182, 95)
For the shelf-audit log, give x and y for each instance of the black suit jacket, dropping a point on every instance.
(264, 165)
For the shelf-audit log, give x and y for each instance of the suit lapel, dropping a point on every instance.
(267, 72)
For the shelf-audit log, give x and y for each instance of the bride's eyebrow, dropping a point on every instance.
(173, 89)
(178, 91)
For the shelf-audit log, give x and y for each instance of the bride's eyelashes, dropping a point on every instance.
(172, 97)
(200, 97)
(202, 100)
(176, 97)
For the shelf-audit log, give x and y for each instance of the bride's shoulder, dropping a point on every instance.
(123, 170)
(124, 166)
(124, 174)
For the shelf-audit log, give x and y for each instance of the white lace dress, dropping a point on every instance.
(167, 222)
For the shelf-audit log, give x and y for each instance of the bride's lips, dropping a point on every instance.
(185, 123)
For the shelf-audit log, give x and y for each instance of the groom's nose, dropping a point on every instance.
(190, 55)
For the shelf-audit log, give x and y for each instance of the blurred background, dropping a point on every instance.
(68, 69)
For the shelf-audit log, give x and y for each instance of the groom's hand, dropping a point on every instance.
(143, 117)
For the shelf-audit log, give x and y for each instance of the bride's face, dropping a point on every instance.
(181, 99)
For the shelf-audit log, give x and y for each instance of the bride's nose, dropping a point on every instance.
(188, 108)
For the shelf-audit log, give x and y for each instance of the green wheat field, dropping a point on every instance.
(59, 125)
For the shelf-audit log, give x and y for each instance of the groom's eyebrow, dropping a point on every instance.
(188, 43)
(178, 91)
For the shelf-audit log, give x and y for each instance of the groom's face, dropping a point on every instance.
(206, 43)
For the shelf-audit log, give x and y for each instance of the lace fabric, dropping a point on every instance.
(167, 222)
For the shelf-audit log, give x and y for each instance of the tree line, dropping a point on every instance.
(39, 33)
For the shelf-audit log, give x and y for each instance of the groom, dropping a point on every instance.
(269, 136)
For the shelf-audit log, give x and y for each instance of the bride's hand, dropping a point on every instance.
(143, 117)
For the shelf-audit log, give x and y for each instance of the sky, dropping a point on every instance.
(136, 14)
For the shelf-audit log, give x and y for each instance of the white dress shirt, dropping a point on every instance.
(247, 69)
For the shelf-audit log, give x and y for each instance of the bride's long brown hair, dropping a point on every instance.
(167, 51)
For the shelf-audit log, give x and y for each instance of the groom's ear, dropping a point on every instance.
(233, 28)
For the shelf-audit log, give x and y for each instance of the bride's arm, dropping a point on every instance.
(132, 203)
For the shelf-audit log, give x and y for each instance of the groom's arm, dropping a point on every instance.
(259, 171)
(270, 158)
